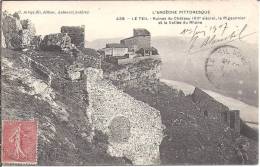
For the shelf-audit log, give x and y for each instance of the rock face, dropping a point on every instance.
(144, 74)
(64, 129)
(133, 127)
(90, 58)
(17, 33)
(28, 32)
(11, 29)
(76, 33)
(75, 72)
(58, 41)
(36, 41)
(3, 40)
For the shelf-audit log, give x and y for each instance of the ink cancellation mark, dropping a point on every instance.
(226, 64)
(19, 142)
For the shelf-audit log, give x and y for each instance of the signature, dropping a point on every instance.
(212, 35)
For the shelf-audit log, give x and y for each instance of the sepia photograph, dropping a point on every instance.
(122, 83)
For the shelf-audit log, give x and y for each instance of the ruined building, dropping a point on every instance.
(141, 39)
(115, 49)
(131, 50)
(214, 110)
(139, 62)
(76, 33)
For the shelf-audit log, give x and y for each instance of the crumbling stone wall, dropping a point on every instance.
(212, 109)
(137, 42)
(141, 32)
(133, 127)
(234, 120)
(141, 39)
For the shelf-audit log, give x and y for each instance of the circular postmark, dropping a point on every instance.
(226, 65)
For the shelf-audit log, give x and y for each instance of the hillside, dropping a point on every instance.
(67, 114)
(248, 113)
(65, 131)
(189, 68)
(190, 136)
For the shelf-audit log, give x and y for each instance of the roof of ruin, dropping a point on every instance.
(141, 32)
(115, 45)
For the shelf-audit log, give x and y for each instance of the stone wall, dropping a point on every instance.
(136, 59)
(141, 32)
(134, 129)
(235, 120)
(137, 42)
(115, 51)
(212, 109)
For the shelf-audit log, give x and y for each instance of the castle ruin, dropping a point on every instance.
(141, 39)
(132, 49)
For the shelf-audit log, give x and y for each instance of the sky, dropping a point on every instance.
(100, 21)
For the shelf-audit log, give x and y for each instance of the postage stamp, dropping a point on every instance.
(19, 142)
(225, 63)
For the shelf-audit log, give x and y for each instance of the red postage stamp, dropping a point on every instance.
(19, 142)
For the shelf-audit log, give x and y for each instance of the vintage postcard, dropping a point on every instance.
(129, 82)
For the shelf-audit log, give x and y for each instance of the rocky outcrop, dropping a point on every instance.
(28, 32)
(3, 40)
(28, 25)
(90, 58)
(134, 129)
(36, 41)
(11, 28)
(75, 72)
(58, 41)
(144, 74)
(64, 129)
(76, 33)
(17, 33)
